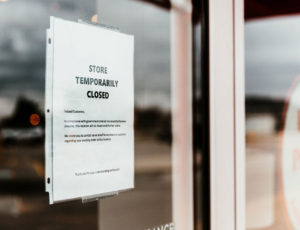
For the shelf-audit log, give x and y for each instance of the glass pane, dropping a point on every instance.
(149, 205)
(272, 123)
(23, 200)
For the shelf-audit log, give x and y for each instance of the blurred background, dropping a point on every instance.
(23, 202)
(272, 58)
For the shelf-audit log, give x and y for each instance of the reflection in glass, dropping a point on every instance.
(149, 205)
(272, 65)
(23, 201)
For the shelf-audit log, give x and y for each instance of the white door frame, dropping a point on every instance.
(227, 114)
(181, 94)
(226, 109)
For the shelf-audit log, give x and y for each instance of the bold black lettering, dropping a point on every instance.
(89, 94)
(86, 81)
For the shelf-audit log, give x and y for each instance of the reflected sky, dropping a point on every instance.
(273, 56)
(151, 27)
(22, 46)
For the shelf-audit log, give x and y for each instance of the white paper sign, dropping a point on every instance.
(89, 111)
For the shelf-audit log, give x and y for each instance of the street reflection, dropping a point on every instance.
(272, 64)
(23, 201)
(150, 203)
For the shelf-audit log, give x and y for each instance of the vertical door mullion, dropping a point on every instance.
(226, 114)
(239, 81)
(181, 91)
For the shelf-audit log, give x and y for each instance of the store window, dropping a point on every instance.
(272, 120)
(23, 200)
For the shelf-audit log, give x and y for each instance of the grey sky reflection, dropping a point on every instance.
(151, 27)
(22, 45)
(23, 26)
(272, 48)
(272, 56)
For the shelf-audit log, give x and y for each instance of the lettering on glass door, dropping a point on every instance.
(169, 226)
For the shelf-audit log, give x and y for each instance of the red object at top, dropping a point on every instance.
(255, 9)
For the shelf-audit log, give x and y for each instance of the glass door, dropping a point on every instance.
(272, 117)
(171, 116)
(168, 114)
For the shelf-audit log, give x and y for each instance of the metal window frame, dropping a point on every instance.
(227, 114)
(224, 22)
(181, 95)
